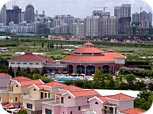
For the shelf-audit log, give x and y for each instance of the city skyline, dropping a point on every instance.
(74, 8)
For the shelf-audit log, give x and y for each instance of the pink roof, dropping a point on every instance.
(81, 58)
(120, 96)
(29, 57)
(40, 86)
(72, 88)
(114, 54)
(8, 105)
(133, 111)
(88, 50)
(103, 98)
(30, 82)
(21, 78)
(84, 93)
(88, 47)
(4, 74)
(55, 83)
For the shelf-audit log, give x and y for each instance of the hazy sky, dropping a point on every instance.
(77, 8)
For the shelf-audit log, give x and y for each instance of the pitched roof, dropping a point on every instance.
(4, 74)
(30, 82)
(120, 96)
(88, 47)
(84, 93)
(72, 88)
(114, 54)
(54, 84)
(133, 111)
(29, 57)
(21, 78)
(81, 58)
(8, 105)
(103, 98)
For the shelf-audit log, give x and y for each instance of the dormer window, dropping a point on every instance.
(69, 97)
(17, 86)
(96, 102)
(34, 89)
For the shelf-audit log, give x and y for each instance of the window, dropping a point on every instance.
(37, 63)
(16, 99)
(96, 102)
(31, 63)
(48, 111)
(48, 95)
(29, 105)
(12, 63)
(69, 97)
(34, 89)
(18, 63)
(16, 85)
(41, 95)
(71, 112)
(24, 63)
(0, 98)
(79, 108)
(45, 95)
(62, 100)
(87, 100)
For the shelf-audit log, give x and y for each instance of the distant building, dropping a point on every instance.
(29, 14)
(91, 26)
(13, 15)
(123, 13)
(3, 15)
(143, 18)
(108, 26)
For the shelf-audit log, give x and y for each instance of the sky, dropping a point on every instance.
(78, 8)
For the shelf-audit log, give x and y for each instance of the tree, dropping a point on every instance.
(42, 44)
(97, 75)
(11, 72)
(130, 78)
(144, 100)
(18, 71)
(22, 112)
(36, 70)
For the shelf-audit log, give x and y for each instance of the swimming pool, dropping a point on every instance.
(69, 78)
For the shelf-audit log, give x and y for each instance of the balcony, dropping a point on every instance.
(53, 103)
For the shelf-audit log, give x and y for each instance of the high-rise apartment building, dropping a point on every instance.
(3, 15)
(13, 15)
(91, 26)
(29, 14)
(123, 13)
(143, 18)
(108, 26)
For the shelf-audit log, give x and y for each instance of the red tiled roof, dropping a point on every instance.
(133, 111)
(81, 58)
(88, 43)
(120, 96)
(88, 50)
(29, 57)
(84, 93)
(8, 105)
(30, 82)
(40, 86)
(72, 88)
(21, 78)
(103, 98)
(114, 54)
(4, 74)
(55, 83)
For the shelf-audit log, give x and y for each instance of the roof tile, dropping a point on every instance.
(133, 111)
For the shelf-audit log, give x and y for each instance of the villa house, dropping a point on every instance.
(18, 87)
(69, 102)
(39, 93)
(112, 104)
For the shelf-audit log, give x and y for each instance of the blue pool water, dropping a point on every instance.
(68, 78)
